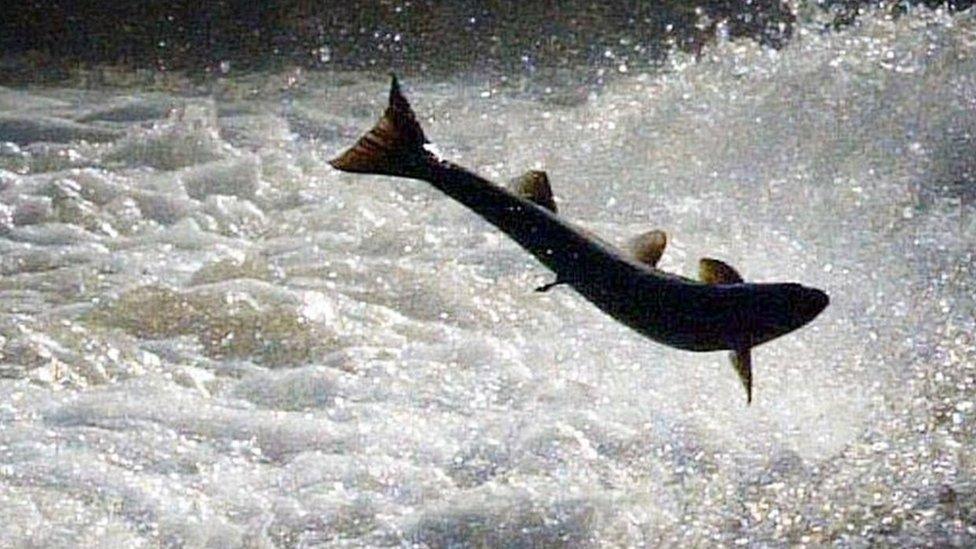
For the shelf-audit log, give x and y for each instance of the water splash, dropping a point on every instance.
(207, 336)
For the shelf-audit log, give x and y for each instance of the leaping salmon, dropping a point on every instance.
(719, 312)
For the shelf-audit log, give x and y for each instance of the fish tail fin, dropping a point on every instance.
(394, 146)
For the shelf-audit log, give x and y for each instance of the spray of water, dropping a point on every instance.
(207, 336)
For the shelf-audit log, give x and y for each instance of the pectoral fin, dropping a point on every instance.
(742, 362)
(713, 271)
(649, 247)
(549, 286)
(534, 185)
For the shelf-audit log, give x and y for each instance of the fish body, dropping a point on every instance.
(670, 309)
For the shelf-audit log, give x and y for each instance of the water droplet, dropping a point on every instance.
(324, 53)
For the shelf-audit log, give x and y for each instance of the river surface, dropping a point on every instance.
(208, 337)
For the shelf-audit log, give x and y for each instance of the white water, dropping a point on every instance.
(208, 337)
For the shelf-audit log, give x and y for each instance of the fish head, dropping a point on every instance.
(781, 308)
(807, 303)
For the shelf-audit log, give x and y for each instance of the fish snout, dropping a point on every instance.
(808, 303)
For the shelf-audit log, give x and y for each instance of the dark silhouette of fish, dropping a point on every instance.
(720, 312)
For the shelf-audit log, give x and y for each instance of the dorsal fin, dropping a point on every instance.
(394, 146)
(649, 247)
(534, 185)
(713, 271)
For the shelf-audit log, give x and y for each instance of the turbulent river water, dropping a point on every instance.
(208, 337)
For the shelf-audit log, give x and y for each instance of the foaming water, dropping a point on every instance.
(209, 337)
